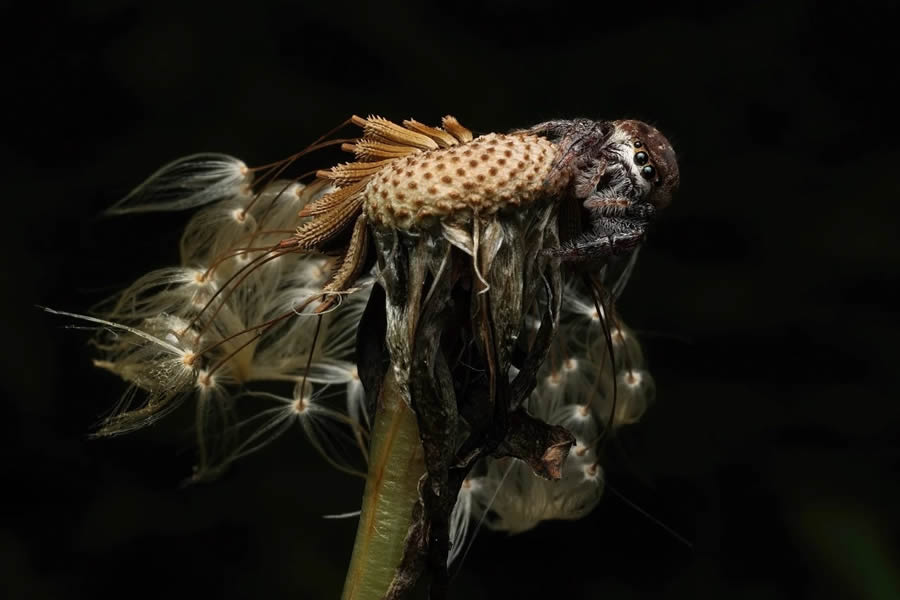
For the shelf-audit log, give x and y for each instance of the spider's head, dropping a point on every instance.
(648, 162)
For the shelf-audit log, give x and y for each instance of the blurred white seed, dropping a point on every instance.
(186, 183)
(636, 392)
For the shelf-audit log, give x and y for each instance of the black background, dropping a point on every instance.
(767, 293)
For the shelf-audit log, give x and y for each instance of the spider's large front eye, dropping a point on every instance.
(641, 158)
(648, 172)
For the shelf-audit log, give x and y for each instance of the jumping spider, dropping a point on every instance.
(621, 172)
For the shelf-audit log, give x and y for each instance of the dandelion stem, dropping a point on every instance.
(396, 463)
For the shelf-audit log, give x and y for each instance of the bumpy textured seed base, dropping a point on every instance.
(483, 176)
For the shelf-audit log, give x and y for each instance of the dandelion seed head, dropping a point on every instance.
(164, 356)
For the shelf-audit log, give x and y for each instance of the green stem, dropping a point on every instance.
(396, 462)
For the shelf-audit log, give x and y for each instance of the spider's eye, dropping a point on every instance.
(648, 172)
(641, 158)
(638, 144)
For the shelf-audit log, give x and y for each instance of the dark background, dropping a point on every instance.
(767, 294)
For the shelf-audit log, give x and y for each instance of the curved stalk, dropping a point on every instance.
(396, 463)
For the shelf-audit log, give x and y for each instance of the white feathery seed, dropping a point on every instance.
(188, 182)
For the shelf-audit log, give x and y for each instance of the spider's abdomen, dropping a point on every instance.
(482, 176)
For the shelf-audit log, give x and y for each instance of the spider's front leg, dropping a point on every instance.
(617, 227)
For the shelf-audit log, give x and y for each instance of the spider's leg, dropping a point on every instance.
(610, 236)
(551, 129)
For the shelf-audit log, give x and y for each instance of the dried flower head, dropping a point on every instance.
(427, 277)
